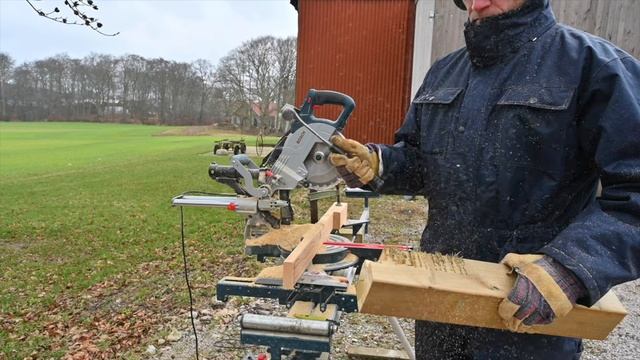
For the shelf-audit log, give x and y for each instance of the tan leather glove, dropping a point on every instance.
(544, 290)
(360, 165)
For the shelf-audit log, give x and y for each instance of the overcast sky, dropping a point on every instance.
(175, 30)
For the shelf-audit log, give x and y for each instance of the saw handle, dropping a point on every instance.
(322, 97)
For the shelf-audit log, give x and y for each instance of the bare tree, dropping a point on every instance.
(260, 71)
(286, 72)
(24, 93)
(136, 89)
(74, 12)
(101, 81)
(233, 84)
(159, 74)
(205, 77)
(178, 81)
(132, 88)
(6, 67)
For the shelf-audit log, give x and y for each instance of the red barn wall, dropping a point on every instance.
(363, 48)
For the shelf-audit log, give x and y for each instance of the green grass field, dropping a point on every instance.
(84, 214)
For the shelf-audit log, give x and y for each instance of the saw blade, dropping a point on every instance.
(321, 174)
(304, 160)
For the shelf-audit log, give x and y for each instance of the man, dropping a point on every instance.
(508, 138)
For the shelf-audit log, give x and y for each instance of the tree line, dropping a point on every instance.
(243, 89)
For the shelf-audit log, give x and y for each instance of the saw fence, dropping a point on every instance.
(453, 290)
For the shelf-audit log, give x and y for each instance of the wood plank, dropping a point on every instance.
(466, 292)
(301, 257)
(361, 352)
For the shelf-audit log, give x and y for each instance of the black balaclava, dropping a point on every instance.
(494, 38)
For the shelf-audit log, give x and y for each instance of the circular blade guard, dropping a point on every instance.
(321, 173)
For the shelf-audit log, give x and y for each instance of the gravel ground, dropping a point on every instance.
(624, 341)
(219, 339)
(218, 328)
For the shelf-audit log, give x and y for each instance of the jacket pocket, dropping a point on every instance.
(440, 96)
(535, 140)
(533, 123)
(538, 97)
(437, 109)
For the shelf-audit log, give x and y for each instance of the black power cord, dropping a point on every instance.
(186, 277)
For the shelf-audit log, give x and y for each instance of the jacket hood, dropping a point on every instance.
(495, 38)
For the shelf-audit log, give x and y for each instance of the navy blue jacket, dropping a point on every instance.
(509, 153)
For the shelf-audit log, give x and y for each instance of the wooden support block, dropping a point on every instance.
(339, 215)
(308, 310)
(453, 290)
(302, 256)
(361, 352)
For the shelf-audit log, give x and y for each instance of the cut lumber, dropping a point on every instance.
(453, 290)
(301, 257)
(361, 352)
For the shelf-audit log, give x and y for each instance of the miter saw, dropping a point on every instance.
(299, 159)
(262, 194)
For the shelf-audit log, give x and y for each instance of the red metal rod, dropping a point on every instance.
(367, 246)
